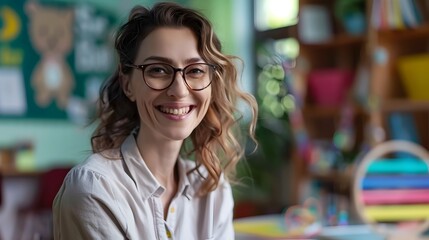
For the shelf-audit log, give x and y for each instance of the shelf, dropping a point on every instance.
(277, 33)
(12, 173)
(315, 111)
(391, 105)
(405, 105)
(398, 35)
(341, 40)
(345, 51)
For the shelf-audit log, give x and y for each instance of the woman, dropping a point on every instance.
(172, 96)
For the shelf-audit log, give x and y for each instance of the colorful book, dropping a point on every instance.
(396, 14)
(396, 213)
(375, 14)
(384, 14)
(395, 182)
(407, 196)
(403, 127)
(398, 166)
(410, 13)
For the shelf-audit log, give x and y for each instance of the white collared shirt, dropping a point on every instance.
(120, 199)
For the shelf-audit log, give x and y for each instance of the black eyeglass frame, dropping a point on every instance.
(175, 70)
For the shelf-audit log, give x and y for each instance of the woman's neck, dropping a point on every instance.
(160, 157)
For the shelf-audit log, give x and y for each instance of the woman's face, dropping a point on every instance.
(173, 113)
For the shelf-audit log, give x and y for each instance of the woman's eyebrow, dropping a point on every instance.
(159, 59)
(170, 61)
(193, 60)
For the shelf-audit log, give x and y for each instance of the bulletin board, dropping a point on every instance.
(53, 58)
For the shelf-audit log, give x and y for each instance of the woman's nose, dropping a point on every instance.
(178, 88)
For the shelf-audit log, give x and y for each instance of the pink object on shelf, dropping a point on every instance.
(404, 196)
(329, 87)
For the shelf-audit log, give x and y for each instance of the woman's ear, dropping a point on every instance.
(126, 86)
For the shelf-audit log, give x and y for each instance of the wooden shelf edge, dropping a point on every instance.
(277, 33)
(11, 173)
(390, 105)
(340, 40)
(328, 111)
(404, 105)
(396, 35)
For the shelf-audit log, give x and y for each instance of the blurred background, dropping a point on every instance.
(332, 79)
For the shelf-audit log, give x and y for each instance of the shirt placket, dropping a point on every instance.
(171, 218)
(159, 219)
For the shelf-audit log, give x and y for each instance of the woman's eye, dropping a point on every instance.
(157, 70)
(195, 71)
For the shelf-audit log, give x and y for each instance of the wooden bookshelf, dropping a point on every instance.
(346, 51)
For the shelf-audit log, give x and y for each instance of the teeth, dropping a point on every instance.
(175, 111)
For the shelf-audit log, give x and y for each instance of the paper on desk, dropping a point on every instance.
(270, 227)
(12, 92)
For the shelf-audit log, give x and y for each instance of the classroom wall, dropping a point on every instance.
(54, 138)
(54, 142)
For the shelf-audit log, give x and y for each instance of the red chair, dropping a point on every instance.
(35, 221)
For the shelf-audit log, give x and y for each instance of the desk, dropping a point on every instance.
(268, 227)
(352, 232)
(274, 224)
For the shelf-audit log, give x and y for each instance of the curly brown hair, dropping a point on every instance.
(216, 142)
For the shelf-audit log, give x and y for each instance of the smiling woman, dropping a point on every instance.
(172, 84)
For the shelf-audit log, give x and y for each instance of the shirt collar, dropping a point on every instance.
(185, 187)
(145, 182)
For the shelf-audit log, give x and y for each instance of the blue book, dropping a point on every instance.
(403, 127)
(398, 166)
(396, 182)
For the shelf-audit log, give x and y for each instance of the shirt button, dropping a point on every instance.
(169, 235)
(172, 210)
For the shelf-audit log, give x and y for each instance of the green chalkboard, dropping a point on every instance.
(53, 58)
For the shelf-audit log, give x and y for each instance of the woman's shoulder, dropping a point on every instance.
(96, 169)
(101, 163)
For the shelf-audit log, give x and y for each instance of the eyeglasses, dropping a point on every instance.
(160, 76)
